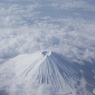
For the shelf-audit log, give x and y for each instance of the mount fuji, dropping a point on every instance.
(51, 68)
(48, 68)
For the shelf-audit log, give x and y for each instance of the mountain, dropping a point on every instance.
(51, 68)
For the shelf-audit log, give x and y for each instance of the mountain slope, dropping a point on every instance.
(47, 71)
(48, 68)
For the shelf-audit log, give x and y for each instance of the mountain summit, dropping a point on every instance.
(48, 67)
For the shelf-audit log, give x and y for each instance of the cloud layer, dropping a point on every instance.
(72, 40)
(28, 26)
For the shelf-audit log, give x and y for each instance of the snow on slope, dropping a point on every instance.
(47, 68)
(48, 71)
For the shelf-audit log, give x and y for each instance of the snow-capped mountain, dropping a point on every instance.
(49, 68)
(53, 69)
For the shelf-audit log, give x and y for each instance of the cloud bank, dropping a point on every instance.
(72, 40)
(28, 26)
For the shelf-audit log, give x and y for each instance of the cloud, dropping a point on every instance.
(14, 15)
(72, 40)
(28, 27)
(74, 4)
(32, 39)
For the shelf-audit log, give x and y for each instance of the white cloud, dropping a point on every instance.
(14, 15)
(74, 4)
(72, 40)
(25, 28)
